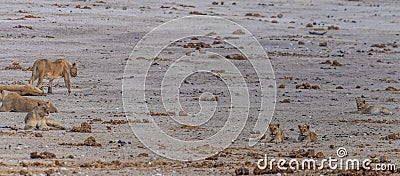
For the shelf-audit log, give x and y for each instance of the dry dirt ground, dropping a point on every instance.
(362, 35)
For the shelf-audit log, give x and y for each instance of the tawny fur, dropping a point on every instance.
(306, 134)
(47, 69)
(364, 108)
(276, 133)
(13, 102)
(37, 119)
(25, 89)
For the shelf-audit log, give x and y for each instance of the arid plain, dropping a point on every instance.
(361, 35)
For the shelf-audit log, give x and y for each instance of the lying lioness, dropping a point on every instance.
(25, 89)
(37, 118)
(13, 102)
(364, 108)
(51, 70)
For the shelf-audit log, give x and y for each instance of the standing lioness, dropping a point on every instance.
(51, 70)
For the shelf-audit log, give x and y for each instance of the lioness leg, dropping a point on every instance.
(50, 90)
(30, 124)
(67, 83)
(33, 77)
(40, 81)
(28, 127)
(5, 108)
(55, 124)
(42, 125)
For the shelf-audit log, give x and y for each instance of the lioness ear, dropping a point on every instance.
(278, 125)
(299, 126)
(363, 101)
(74, 64)
(308, 126)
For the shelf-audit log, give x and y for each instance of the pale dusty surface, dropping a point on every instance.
(100, 40)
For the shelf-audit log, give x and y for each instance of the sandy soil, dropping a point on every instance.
(363, 37)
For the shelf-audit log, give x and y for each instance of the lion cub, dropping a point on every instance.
(306, 134)
(364, 108)
(276, 133)
(37, 119)
(13, 102)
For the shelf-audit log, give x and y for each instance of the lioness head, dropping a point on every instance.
(43, 109)
(304, 130)
(3, 94)
(35, 90)
(361, 104)
(74, 70)
(274, 129)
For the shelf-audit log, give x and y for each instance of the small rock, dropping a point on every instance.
(183, 113)
(323, 44)
(336, 63)
(143, 155)
(319, 155)
(285, 101)
(242, 171)
(238, 32)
